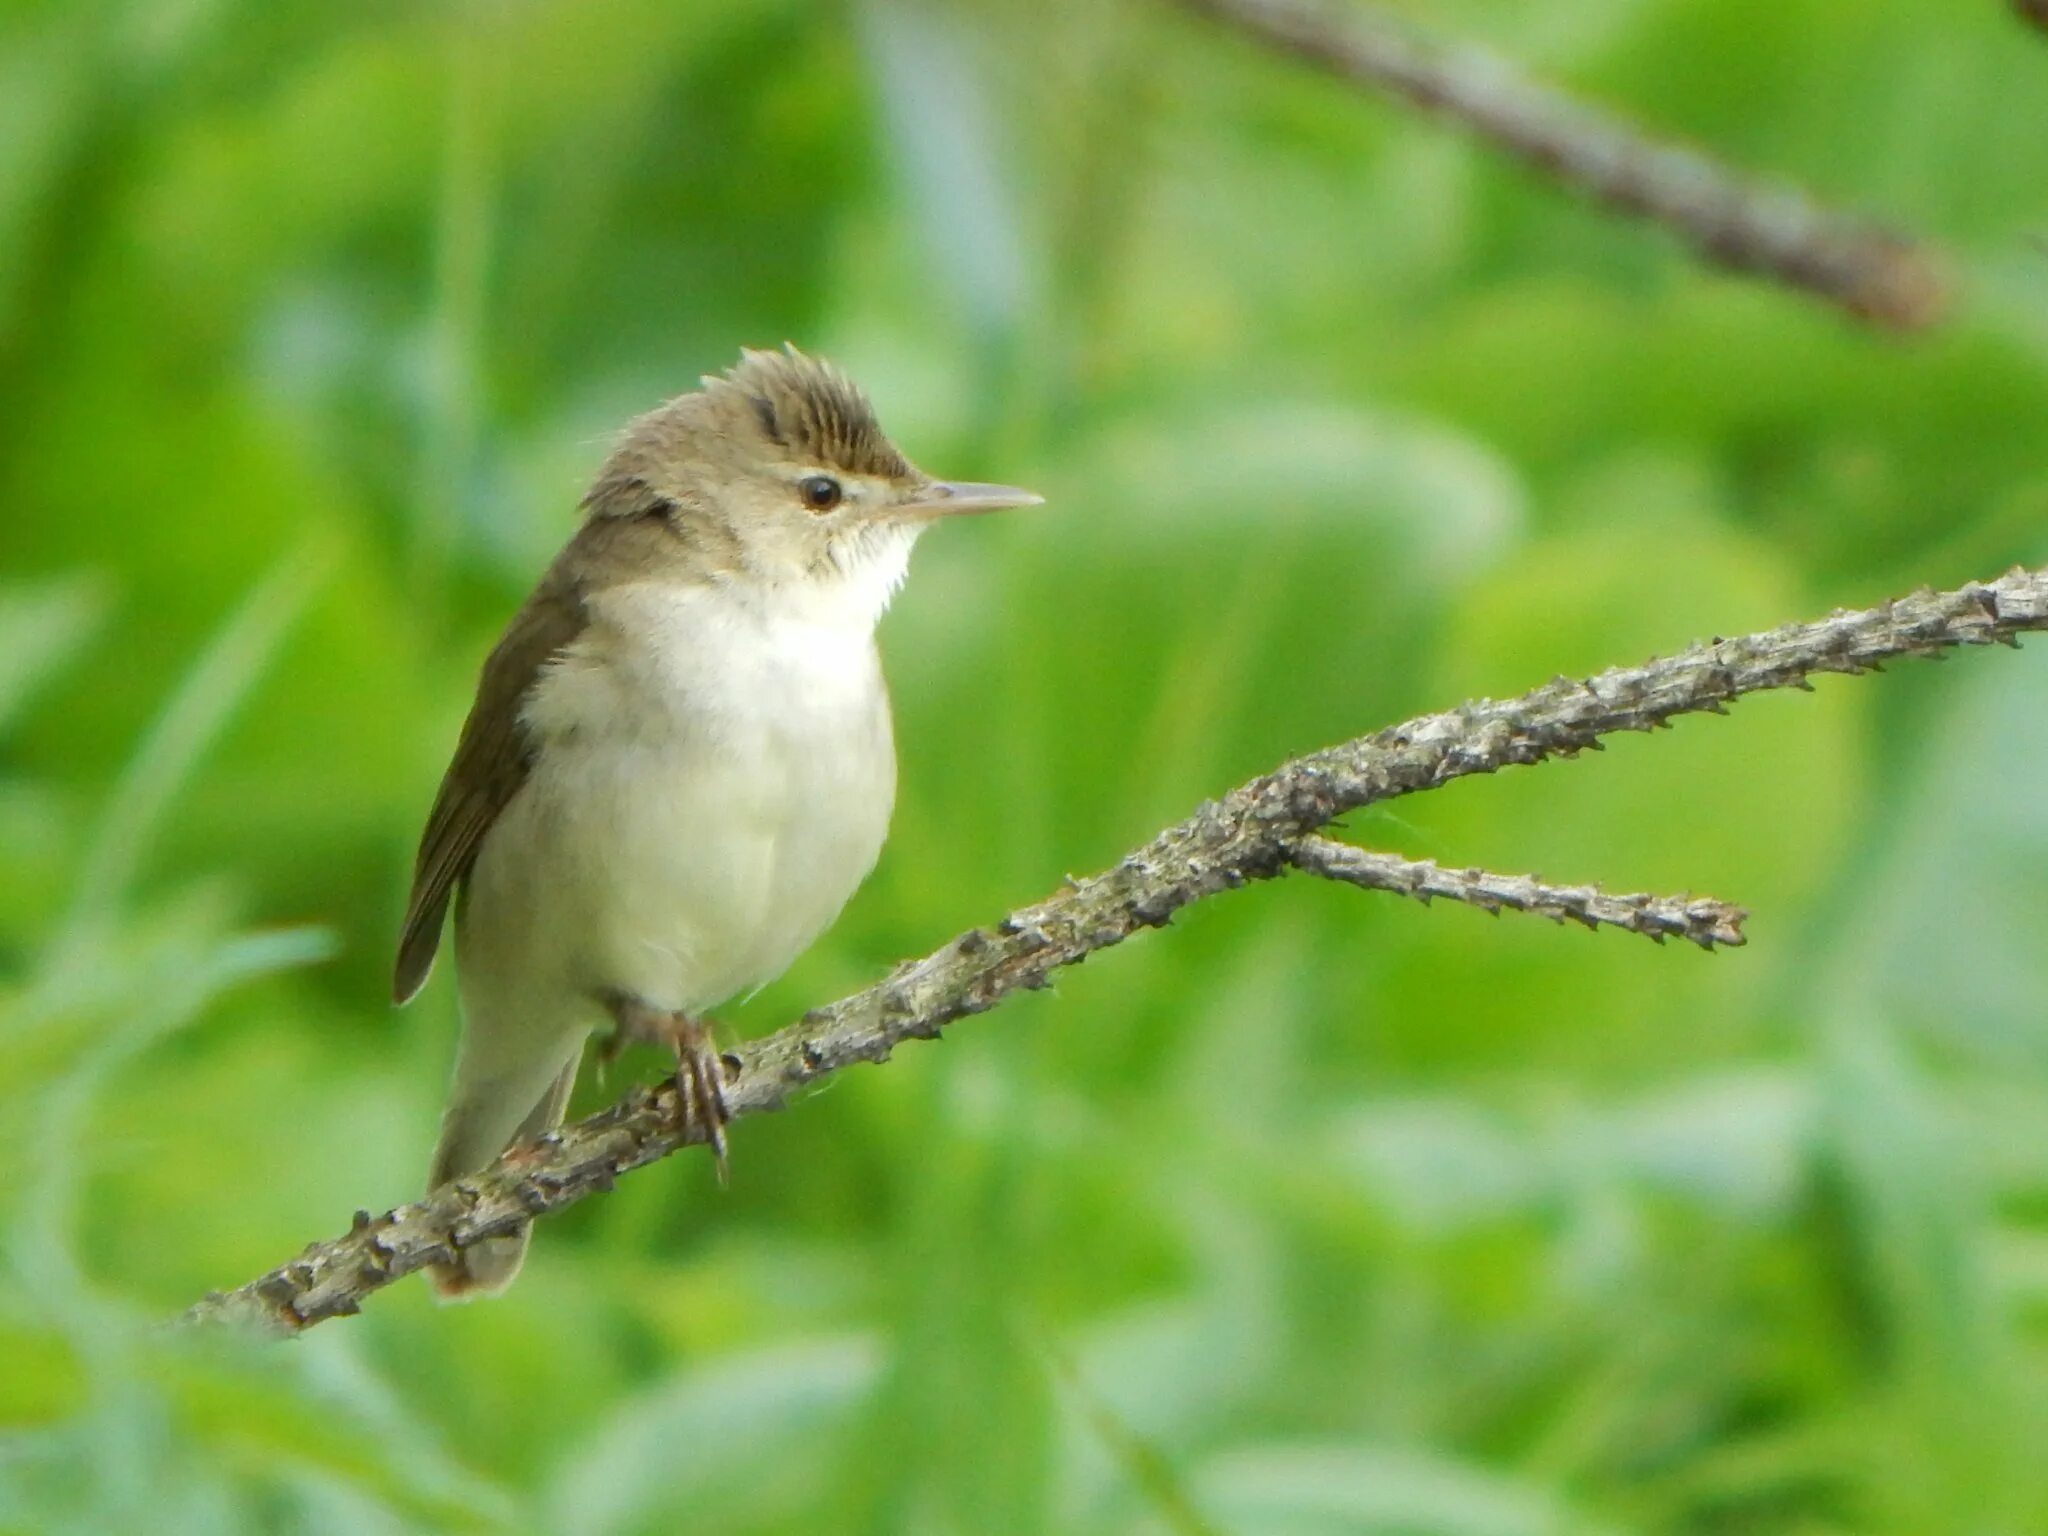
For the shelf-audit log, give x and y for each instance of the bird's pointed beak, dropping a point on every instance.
(949, 498)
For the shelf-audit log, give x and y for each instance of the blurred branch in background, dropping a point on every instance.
(1730, 218)
(2034, 12)
(1255, 832)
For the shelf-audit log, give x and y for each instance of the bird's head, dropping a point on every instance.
(778, 471)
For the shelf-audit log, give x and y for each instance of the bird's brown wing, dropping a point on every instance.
(491, 762)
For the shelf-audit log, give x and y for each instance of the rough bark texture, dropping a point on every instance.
(1701, 919)
(1256, 831)
(1732, 219)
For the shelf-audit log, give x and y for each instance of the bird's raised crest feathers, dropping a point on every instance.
(809, 406)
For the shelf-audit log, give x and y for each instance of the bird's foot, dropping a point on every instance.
(700, 1075)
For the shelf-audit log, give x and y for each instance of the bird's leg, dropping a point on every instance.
(700, 1075)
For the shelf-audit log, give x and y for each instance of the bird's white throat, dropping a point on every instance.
(868, 567)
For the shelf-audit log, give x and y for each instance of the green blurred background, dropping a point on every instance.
(1317, 1213)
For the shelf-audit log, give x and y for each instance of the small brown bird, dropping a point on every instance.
(679, 764)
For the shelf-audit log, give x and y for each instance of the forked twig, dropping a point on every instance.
(1700, 919)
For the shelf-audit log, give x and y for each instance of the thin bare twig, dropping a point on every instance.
(1733, 219)
(1701, 919)
(1249, 834)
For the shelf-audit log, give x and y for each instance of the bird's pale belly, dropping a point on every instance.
(673, 869)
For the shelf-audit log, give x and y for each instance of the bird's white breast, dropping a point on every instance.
(713, 779)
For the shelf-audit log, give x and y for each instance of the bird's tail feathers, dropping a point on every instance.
(473, 1133)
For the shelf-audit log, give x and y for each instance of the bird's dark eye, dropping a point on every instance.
(821, 493)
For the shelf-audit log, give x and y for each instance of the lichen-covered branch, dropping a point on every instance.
(1732, 219)
(1701, 919)
(1254, 832)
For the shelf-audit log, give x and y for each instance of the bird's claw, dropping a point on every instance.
(699, 1075)
(700, 1086)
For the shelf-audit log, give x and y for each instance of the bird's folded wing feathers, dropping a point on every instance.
(491, 762)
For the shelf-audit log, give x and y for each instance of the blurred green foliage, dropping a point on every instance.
(1315, 1214)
